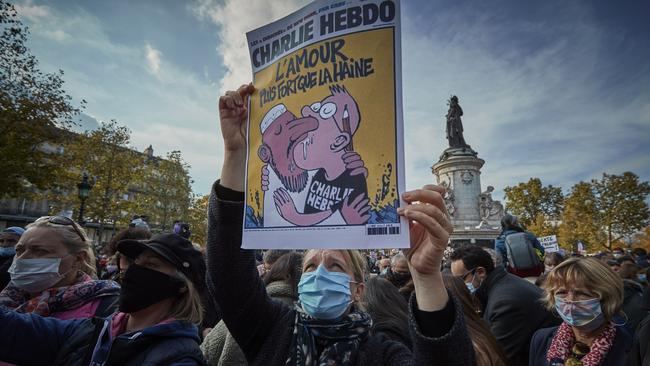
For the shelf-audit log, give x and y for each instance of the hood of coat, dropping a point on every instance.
(282, 291)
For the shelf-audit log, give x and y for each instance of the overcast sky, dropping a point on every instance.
(558, 90)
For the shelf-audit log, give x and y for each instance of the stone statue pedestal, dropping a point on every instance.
(475, 216)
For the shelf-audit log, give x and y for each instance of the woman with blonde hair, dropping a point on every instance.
(327, 326)
(156, 324)
(54, 273)
(588, 296)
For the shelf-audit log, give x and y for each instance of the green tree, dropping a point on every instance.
(105, 155)
(33, 110)
(580, 219)
(621, 201)
(531, 200)
(198, 219)
(165, 192)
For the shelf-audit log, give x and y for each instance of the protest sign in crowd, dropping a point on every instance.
(317, 253)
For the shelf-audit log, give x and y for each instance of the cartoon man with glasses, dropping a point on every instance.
(322, 148)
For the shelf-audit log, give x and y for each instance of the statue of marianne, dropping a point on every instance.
(454, 124)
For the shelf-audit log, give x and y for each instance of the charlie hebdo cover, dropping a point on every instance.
(325, 165)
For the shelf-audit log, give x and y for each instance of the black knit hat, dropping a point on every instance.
(174, 248)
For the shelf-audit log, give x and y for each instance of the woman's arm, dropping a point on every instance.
(232, 276)
(30, 339)
(440, 334)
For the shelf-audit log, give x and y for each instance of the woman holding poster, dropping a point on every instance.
(327, 326)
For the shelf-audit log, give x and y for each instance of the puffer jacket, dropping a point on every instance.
(30, 339)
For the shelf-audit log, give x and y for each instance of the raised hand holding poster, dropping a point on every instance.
(325, 162)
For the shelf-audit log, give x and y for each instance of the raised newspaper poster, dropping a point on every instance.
(325, 165)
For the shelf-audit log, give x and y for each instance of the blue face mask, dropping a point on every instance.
(470, 284)
(7, 252)
(642, 277)
(324, 294)
(585, 315)
(471, 288)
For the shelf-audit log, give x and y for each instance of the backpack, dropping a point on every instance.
(522, 256)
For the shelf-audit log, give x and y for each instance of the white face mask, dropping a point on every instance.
(35, 275)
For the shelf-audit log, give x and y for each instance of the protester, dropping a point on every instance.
(388, 310)
(327, 324)
(53, 273)
(135, 232)
(8, 239)
(632, 295)
(641, 257)
(268, 259)
(384, 266)
(618, 252)
(156, 323)
(640, 352)
(625, 259)
(588, 297)
(614, 265)
(511, 305)
(643, 276)
(510, 226)
(140, 232)
(281, 280)
(487, 348)
(398, 274)
(551, 260)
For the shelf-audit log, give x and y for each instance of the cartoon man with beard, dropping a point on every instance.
(324, 138)
(281, 132)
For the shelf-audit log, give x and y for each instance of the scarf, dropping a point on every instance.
(562, 343)
(59, 299)
(338, 339)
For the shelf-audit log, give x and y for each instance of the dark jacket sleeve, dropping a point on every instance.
(30, 339)
(639, 354)
(508, 322)
(232, 277)
(441, 337)
(539, 347)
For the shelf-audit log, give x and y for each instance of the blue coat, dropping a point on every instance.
(30, 339)
(542, 339)
(500, 244)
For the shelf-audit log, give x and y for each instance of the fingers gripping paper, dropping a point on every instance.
(325, 165)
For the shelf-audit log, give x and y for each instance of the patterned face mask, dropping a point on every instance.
(585, 315)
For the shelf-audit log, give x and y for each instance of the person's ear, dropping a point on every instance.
(340, 142)
(359, 289)
(481, 272)
(264, 152)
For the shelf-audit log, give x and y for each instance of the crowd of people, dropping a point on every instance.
(161, 300)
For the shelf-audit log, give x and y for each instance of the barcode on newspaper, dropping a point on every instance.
(382, 229)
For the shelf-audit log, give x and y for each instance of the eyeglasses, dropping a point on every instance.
(464, 276)
(8, 241)
(65, 221)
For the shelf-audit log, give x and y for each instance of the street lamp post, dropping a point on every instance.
(84, 191)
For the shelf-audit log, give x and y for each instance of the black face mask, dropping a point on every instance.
(142, 287)
(399, 279)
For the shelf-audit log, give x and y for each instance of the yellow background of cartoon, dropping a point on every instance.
(375, 95)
